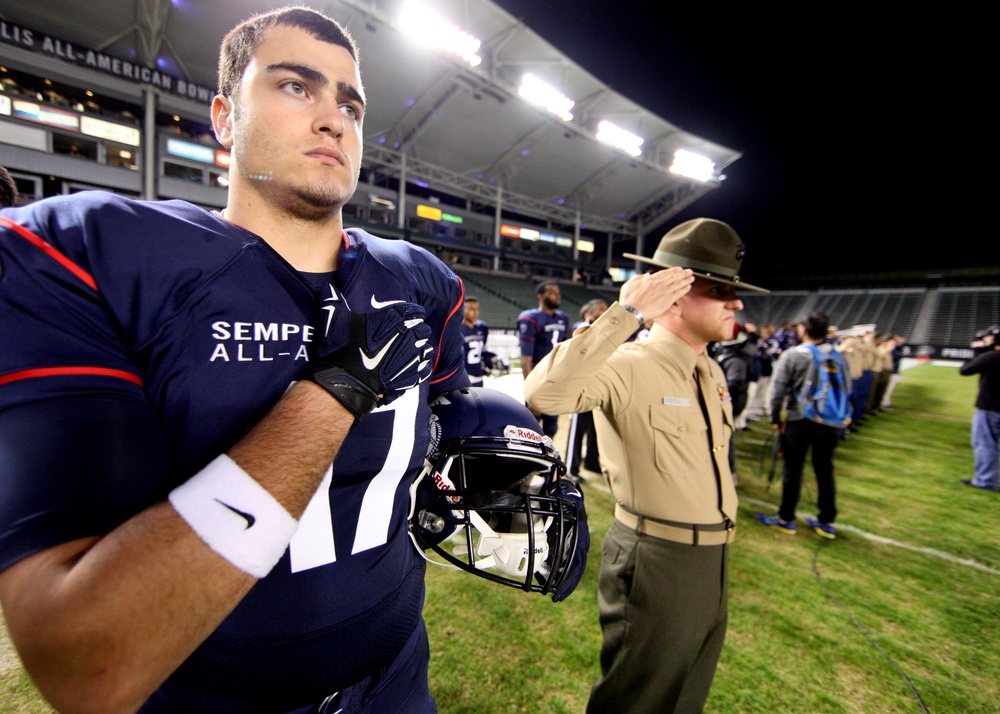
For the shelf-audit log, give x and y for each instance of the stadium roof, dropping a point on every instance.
(458, 128)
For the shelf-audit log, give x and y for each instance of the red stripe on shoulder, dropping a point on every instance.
(70, 371)
(445, 377)
(47, 248)
(454, 309)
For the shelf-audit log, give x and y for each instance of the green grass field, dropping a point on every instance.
(905, 599)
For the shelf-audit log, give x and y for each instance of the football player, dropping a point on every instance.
(474, 332)
(209, 422)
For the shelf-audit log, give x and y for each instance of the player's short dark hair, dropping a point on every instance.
(816, 325)
(472, 298)
(8, 189)
(540, 288)
(239, 45)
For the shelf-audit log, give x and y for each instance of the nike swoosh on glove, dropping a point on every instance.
(578, 565)
(388, 351)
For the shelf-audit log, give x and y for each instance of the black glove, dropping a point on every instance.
(568, 490)
(387, 352)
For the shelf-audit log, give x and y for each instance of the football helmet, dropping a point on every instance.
(494, 365)
(491, 499)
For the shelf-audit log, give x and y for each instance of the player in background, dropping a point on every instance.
(539, 330)
(474, 332)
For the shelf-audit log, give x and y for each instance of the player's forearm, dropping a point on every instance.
(526, 365)
(100, 623)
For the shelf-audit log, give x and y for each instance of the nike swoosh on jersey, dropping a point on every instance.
(375, 360)
(249, 517)
(378, 305)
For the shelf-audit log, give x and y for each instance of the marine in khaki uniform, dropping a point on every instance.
(664, 421)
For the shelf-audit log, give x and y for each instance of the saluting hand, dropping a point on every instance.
(653, 294)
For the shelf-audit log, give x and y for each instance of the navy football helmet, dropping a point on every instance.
(491, 499)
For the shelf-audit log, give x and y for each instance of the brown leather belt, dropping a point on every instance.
(686, 533)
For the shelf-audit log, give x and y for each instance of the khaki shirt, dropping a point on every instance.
(652, 433)
(854, 357)
(885, 362)
(869, 354)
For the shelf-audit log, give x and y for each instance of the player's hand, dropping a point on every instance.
(568, 490)
(653, 294)
(388, 351)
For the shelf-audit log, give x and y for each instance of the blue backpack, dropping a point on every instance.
(825, 394)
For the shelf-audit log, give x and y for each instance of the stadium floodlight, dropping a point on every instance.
(428, 28)
(620, 138)
(692, 165)
(536, 91)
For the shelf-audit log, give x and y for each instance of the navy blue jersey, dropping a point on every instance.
(538, 332)
(475, 343)
(140, 340)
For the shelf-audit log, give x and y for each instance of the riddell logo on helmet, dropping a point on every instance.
(444, 484)
(516, 432)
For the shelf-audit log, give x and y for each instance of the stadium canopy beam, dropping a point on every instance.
(471, 188)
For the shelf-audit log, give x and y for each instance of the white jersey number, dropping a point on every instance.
(313, 543)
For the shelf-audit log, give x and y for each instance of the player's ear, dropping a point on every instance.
(222, 120)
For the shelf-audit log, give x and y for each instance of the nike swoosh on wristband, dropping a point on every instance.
(378, 305)
(250, 519)
(374, 361)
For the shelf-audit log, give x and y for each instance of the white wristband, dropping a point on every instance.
(235, 516)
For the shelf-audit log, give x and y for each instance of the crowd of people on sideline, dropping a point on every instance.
(769, 370)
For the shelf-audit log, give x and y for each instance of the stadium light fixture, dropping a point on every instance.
(536, 91)
(428, 28)
(692, 165)
(620, 138)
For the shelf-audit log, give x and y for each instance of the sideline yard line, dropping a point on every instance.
(599, 485)
(899, 445)
(898, 544)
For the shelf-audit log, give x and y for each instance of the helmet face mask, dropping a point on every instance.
(487, 501)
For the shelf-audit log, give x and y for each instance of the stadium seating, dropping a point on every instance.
(960, 312)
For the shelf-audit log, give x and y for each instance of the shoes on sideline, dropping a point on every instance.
(824, 530)
(968, 482)
(787, 527)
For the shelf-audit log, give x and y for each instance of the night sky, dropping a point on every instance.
(846, 120)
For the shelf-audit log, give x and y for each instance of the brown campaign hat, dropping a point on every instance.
(710, 248)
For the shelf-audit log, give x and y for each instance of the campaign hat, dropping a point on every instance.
(710, 248)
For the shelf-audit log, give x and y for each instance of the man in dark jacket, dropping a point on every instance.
(986, 420)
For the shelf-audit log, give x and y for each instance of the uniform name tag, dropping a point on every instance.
(676, 402)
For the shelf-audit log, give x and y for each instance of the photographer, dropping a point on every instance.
(986, 420)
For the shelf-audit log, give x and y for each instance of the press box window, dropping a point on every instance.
(185, 173)
(74, 146)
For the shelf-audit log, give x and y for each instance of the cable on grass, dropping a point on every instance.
(861, 627)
